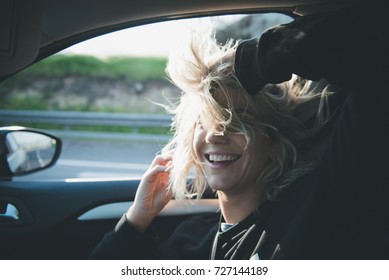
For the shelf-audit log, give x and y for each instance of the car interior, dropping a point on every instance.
(65, 218)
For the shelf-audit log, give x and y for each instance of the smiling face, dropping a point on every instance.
(229, 163)
(219, 131)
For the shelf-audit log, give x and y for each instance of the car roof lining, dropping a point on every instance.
(20, 34)
(56, 25)
(117, 14)
(45, 27)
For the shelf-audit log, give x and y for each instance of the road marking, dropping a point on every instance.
(102, 164)
(109, 175)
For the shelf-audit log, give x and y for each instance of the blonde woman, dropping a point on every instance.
(254, 135)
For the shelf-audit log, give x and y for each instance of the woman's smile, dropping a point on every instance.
(220, 160)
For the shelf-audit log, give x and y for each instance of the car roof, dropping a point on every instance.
(33, 29)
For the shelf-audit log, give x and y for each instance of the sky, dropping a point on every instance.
(147, 40)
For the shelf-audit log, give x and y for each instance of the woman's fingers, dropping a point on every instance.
(155, 172)
(162, 159)
(153, 192)
(161, 163)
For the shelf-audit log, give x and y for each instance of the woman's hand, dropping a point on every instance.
(152, 194)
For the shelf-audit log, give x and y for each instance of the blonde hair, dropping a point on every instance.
(206, 67)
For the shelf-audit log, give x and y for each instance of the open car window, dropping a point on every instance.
(101, 96)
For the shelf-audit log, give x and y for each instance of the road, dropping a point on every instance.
(100, 159)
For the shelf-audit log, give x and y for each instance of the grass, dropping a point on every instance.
(131, 68)
(23, 102)
(96, 128)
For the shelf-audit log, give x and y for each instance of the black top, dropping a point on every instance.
(241, 241)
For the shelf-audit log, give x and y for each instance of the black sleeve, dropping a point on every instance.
(192, 239)
(347, 47)
(126, 242)
(351, 211)
(348, 213)
(352, 203)
(351, 208)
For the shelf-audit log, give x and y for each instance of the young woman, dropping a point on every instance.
(253, 133)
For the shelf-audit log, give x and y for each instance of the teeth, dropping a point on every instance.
(222, 157)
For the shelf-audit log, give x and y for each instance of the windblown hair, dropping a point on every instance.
(207, 67)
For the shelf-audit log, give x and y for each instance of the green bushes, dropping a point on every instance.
(65, 82)
(131, 68)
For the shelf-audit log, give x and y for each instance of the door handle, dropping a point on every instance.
(8, 212)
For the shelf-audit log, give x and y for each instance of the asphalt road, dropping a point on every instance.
(100, 159)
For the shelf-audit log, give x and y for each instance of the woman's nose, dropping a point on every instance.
(214, 136)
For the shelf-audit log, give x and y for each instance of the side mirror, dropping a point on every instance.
(24, 150)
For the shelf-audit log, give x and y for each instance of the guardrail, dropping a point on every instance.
(65, 120)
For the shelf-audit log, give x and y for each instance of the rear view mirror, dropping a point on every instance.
(23, 151)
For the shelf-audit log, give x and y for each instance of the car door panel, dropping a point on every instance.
(66, 219)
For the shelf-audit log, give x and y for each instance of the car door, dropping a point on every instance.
(104, 108)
